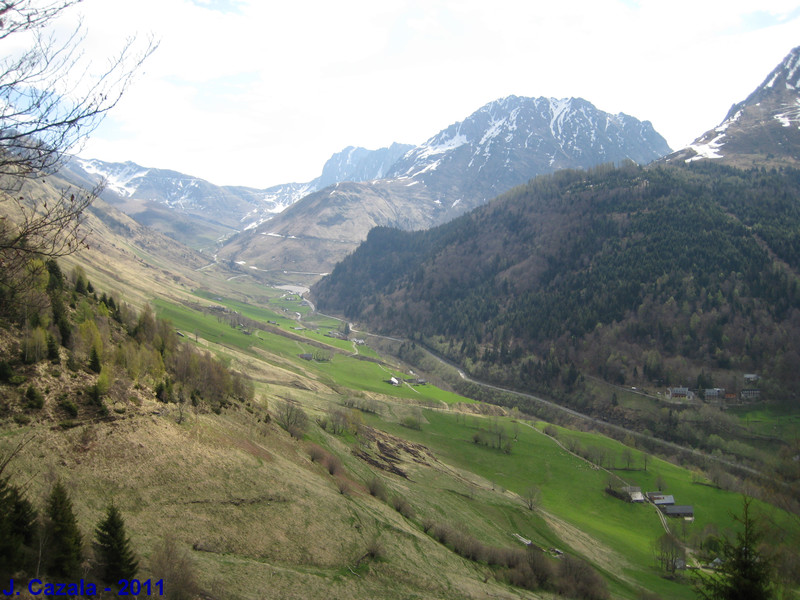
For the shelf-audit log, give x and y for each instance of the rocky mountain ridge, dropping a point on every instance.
(145, 193)
(762, 130)
(501, 145)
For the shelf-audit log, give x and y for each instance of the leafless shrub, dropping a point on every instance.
(376, 488)
(541, 567)
(522, 576)
(296, 432)
(333, 464)
(428, 525)
(316, 453)
(495, 556)
(375, 549)
(291, 416)
(577, 579)
(402, 506)
(343, 485)
(173, 564)
(442, 533)
(469, 547)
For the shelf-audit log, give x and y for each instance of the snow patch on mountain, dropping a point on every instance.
(442, 146)
(121, 179)
(559, 110)
(791, 116)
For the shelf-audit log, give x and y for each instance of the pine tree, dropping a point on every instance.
(17, 528)
(113, 548)
(52, 348)
(94, 360)
(745, 573)
(62, 536)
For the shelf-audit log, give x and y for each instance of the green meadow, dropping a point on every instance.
(573, 490)
(574, 511)
(347, 371)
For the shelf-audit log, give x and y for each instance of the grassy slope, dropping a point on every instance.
(262, 519)
(265, 521)
(617, 537)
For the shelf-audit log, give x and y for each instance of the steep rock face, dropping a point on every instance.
(501, 145)
(359, 164)
(763, 130)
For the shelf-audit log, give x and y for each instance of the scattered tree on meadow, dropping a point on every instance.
(292, 418)
(17, 522)
(113, 548)
(531, 497)
(669, 552)
(745, 573)
(62, 537)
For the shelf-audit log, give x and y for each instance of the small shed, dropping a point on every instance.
(634, 493)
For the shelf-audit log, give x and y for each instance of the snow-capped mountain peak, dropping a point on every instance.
(764, 128)
(120, 178)
(531, 136)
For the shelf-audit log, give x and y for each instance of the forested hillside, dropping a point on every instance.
(669, 276)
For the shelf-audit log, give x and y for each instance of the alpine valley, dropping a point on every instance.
(539, 356)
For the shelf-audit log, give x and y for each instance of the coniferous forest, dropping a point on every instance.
(660, 276)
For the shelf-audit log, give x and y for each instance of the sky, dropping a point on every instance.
(260, 92)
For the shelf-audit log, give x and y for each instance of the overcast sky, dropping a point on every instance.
(259, 92)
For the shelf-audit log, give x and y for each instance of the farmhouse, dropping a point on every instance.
(634, 493)
(679, 393)
(660, 499)
(685, 512)
(750, 394)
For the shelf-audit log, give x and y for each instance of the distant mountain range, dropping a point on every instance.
(198, 212)
(503, 144)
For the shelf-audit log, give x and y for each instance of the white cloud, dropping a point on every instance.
(260, 93)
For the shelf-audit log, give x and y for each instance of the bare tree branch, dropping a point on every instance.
(51, 99)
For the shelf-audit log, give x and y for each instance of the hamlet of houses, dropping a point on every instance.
(750, 393)
(664, 502)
